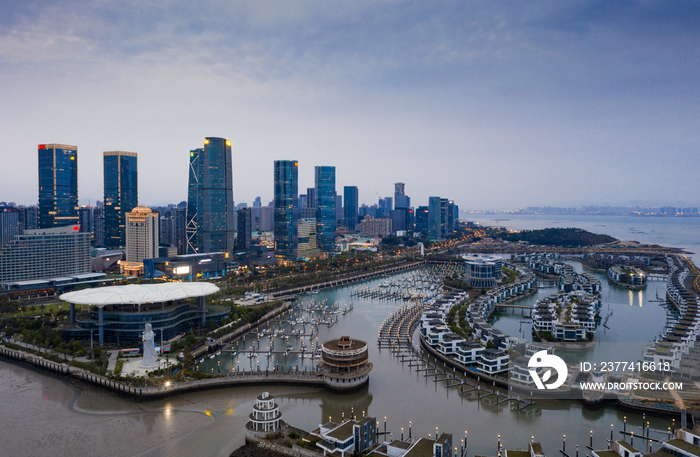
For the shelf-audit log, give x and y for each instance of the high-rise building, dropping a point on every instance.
(121, 194)
(28, 217)
(449, 216)
(191, 216)
(310, 197)
(9, 224)
(434, 218)
(98, 236)
(324, 178)
(401, 200)
(164, 229)
(338, 208)
(141, 234)
(89, 222)
(58, 185)
(422, 220)
(177, 232)
(266, 223)
(172, 229)
(45, 253)
(215, 212)
(286, 210)
(351, 195)
(388, 205)
(245, 228)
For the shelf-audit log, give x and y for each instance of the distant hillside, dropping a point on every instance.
(567, 237)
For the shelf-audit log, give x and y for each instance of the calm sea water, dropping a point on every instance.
(682, 232)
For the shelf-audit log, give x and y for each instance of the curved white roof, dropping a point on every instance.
(137, 294)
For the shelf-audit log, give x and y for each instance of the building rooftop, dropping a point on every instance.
(680, 444)
(422, 448)
(518, 453)
(607, 453)
(400, 444)
(137, 294)
(339, 345)
(627, 446)
(343, 432)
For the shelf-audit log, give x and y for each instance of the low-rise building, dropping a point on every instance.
(493, 361)
(347, 437)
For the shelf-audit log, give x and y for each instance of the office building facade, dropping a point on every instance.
(245, 228)
(351, 206)
(28, 217)
(215, 211)
(434, 218)
(286, 191)
(141, 234)
(45, 253)
(422, 220)
(266, 223)
(191, 216)
(401, 200)
(9, 224)
(324, 178)
(58, 185)
(120, 194)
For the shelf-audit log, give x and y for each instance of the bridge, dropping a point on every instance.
(656, 277)
(343, 281)
(514, 307)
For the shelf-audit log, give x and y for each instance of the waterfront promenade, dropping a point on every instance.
(233, 379)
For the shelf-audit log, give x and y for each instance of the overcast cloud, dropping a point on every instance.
(492, 104)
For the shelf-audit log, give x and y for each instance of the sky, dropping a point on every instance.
(496, 105)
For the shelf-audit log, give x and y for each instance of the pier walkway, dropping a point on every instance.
(432, 367)
(238, 378)
(343, 281)
(396, 335)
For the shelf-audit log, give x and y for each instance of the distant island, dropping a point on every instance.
(566, 237)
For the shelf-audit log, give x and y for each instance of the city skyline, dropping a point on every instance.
(560, 104)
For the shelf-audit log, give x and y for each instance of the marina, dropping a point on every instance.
(440, 396)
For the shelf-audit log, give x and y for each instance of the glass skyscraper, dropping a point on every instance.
(58, 185)
(434, 218)
(325, 207)
(191, 217)
(215, 214)
(245, 228)
(401, 200)
(121, 194)
(286, 208)
(351, 205)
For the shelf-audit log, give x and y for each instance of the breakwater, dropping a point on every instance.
(234, 379)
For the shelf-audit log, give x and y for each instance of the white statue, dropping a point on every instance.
(150, 359)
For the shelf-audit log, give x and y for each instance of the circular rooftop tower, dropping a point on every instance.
(344, 363)
(266, 418)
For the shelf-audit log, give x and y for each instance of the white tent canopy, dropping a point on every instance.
(135, 294)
